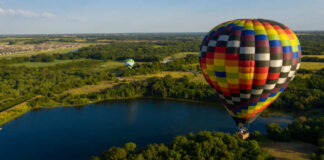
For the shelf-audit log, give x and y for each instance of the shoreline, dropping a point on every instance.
(22, 108)
(13, 113)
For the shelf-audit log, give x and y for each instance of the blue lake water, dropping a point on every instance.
(82, 132)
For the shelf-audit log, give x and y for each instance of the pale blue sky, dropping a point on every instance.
(120, 16)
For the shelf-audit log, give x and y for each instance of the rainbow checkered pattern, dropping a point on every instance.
(249, 62)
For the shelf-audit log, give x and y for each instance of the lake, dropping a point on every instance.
(82, 132)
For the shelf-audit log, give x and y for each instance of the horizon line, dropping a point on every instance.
(87, 33)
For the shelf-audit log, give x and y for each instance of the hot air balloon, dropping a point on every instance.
(249, 62)
(129, 63)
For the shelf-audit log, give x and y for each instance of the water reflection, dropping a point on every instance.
(79, 133)
(132, 111)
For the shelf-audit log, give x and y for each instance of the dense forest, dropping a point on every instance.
(312, 43)
(299, 96)
(203, 145)
(142, 52)
(21, 83)
(303, 93)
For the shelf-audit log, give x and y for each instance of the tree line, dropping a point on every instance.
(312, 43)
(203, 145)
(140, 52)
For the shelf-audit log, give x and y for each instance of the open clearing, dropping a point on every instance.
(312, 65)
(108, 84)
(45, 64)
(293, 150)
(24, 54)
(177, 56)
(174, 74)
(112, 64)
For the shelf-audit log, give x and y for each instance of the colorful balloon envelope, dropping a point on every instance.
(249, 62)
(129, 63)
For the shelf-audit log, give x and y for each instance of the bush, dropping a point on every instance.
(275, 132)
(114, 153)
(256, 135)
(130, 147)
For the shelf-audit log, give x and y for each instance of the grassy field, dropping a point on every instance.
(312, 65)
(40, 52)
(112, 64)
(45, 64)
(92, 88)
(294, 150)
(105, 65)
(13, 113)
(178, 55)
(65, 50)
(108, 84)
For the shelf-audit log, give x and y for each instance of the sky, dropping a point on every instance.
(138, 16)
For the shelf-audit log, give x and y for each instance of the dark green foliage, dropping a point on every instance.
(303, 94)
(143, 52)
(309, 130)
(256, 135)
(22, 83)
(312, 59)
(204, 145)
(319, 153)
(130, 147)
(275, 132)
(42, 58)
(114, 153)
(158, 87)
(12, 42)
(304, 71)
(36, 41)
(312, 43)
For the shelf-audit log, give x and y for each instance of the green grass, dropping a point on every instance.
(108, 84)
(179, 55)
(13, 113)
(39, 52)
(311, 65)
(112, 65)
(44, 64)
(183, 54)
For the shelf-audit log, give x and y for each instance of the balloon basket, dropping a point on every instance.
(244, 135)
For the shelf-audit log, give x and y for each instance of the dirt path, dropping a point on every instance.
(294, 150)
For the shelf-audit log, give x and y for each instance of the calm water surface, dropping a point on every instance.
(79, 133)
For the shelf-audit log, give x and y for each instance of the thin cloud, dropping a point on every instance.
(26, 13)
(48, 15)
